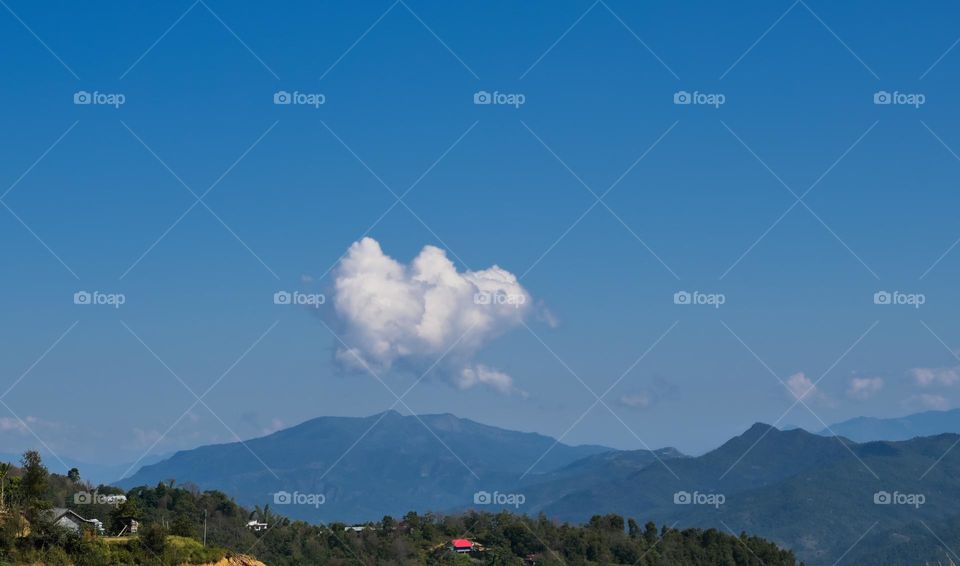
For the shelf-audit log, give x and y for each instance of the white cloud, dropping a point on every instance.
(410, 315)
(640, 400)
(864, 387)
(801, 387)
(935, 376)
(10, 424)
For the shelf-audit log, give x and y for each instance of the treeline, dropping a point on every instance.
(174, 519)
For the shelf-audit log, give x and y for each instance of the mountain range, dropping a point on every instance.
(927, 423)
(817, 495)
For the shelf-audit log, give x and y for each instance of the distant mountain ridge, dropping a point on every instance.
(368, 467)
(811, 493)
(928, 423)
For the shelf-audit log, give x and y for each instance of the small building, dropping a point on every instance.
(461, 545)
(356, 528)
(72, 521)
(256, 526)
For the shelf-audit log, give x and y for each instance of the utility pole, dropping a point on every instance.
(204, 527)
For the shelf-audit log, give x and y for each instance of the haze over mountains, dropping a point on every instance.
(928, 423)
(814, 494)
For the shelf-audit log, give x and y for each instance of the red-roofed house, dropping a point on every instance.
(461, 545)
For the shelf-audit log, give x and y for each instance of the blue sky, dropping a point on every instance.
(293, 186)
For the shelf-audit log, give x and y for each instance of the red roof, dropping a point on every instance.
(461, 543)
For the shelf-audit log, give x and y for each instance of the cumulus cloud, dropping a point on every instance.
(394, 314)
(926, 377)
(864, 387)
(800, 386)
(803, 389)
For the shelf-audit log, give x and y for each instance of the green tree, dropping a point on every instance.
(74, 475)
(4, 470)
(153, 537)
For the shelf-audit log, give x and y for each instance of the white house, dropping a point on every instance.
(69, 519)
(256, 526)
